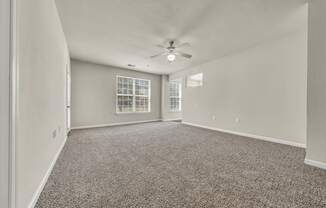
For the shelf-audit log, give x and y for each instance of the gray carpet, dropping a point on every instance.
(168, 164)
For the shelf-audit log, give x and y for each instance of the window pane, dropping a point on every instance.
(174, 89)
(129, 100)
(175, 104)
(125, 86)
(125, 103)
(142, 104)
(142, 87)
(195, 80)
(175, 95)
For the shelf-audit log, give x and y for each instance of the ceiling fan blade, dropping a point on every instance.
(157, 55)
(160, 46)
(183, 54)
(183, 45)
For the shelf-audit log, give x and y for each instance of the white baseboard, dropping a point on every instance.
(172, 119)
(39, 190)
(315, 163)
(113, 124)
(269, 139)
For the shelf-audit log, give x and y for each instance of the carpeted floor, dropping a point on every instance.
(168, 164)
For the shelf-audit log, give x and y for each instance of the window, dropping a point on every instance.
(175, 95)
(195, 80)
(133, 95)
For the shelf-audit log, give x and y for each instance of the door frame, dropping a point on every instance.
(14, 77)
(68, 97)
(4, 101)
(8, 91)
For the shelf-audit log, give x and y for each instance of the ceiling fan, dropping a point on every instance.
(171, 51)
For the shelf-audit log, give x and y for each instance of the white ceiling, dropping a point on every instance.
(122, 32)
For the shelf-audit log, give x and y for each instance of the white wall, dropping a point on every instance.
(316, 133)
(264, 86)
(165, 112)
(93, 98)
(42, 57)
(4, 100)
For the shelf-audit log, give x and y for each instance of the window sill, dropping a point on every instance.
(122, 113)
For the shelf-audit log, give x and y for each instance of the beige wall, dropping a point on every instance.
(316, 133)
(42, 57)
(263, 87)
(93, 100)
(166, 113)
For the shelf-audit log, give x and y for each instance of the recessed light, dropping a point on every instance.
(131, 65)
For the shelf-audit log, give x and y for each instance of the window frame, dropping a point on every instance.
(188, 78)
(132, 95)
(179, 81)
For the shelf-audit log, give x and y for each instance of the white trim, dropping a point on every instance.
(114, 124)
(269, 139)
(172, 119)
(5, 101)
(175, 111)
(138, 112)
(14, 71)
(68, 97)
(315, 163)
(39, 190)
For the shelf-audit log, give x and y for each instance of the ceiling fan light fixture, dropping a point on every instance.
(171, 52)
(171, 57)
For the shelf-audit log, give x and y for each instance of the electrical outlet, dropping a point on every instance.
(54, 134)
(237, 120)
